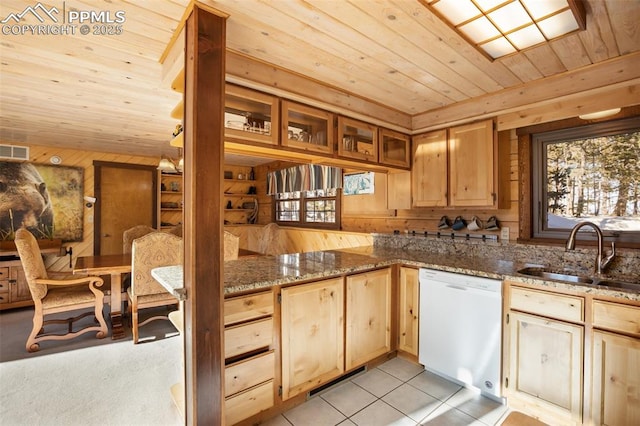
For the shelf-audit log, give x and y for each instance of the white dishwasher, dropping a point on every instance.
(461, 329)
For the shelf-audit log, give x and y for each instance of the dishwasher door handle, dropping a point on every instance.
(457, 287)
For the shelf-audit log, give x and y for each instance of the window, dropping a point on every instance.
(316, 209)
(589, 173)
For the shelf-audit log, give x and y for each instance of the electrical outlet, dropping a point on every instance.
(504, 234)
(90, 218)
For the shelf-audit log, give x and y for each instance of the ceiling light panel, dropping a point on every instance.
(502, 27)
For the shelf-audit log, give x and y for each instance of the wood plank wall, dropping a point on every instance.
(84, 159)
(426, 219)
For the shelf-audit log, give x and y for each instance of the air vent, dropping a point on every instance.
(14, 152)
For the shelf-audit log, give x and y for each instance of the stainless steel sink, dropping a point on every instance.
(619, 284)
(555, 275)
(569, 277)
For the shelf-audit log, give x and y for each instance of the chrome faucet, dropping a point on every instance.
(601, 264)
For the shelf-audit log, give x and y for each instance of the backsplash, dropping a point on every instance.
(627, 261)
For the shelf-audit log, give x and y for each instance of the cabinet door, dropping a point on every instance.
(312, 335)
(409, 310)
(472, 166)
(250, 115)
(368, 316)
(616, 380)
(394, 148)
(307, 128)
(19, 286)
(545, 367)
(357, 140)
(429, 171)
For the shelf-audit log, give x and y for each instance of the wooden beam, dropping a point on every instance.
(203, 218)
(607, 73)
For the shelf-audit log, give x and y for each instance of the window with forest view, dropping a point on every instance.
(589, 173)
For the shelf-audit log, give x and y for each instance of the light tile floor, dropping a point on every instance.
(398, 392)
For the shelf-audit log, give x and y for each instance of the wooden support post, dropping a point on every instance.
(203, 217)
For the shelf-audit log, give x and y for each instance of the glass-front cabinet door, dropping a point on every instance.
(394, 148)
(306, 128)
(357, 140)
(250, 115)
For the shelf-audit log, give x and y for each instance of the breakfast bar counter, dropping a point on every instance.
(251, 274)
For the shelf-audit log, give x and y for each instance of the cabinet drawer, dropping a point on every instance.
(554, 305)
(245, 338)
(248, 373)
(4, 286)
(249, 402)
(4, 273)
(615, 316)
(4, 298)
(245, 308)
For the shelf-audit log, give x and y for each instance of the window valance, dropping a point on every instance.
(305, 177)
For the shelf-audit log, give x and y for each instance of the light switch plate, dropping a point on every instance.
(504, 234)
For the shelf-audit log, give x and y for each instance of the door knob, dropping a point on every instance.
(106, 235)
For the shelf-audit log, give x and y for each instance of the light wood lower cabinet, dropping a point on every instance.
(14, 289)
(409, 310)
(368, 323)
(250, 357)
(312, 331)
(544, 359)
(546, 367)
(323, 334)
(615, 396)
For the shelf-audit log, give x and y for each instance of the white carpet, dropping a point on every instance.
(107, 383)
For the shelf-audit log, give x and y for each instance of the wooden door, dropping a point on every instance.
(312, 335)
(409, 310)
(473, 177)
(616, 379)
(368, 313)
(19, 285)
(545, 367)
(429, 171)
(126, 196)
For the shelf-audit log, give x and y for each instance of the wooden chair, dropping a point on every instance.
(132, 233)
(57, 295)
(148, 252)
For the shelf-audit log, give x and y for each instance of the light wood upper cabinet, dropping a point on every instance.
(409, 310)
(457, 167)
(473, 176)
(250, 115)
(307, 128)
(429, 171)
(395, 148)
(357, 140)
(312, 335)
(368, 312)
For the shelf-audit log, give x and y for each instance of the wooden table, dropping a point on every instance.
(114, 265)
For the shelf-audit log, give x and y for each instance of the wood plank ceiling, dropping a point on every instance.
(104, 92)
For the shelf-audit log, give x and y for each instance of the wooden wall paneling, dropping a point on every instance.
(421, 219)
(203, 227)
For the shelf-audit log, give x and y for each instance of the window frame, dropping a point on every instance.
(302, 223)
(531, 141)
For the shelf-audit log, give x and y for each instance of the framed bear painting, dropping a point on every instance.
(45, 199)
